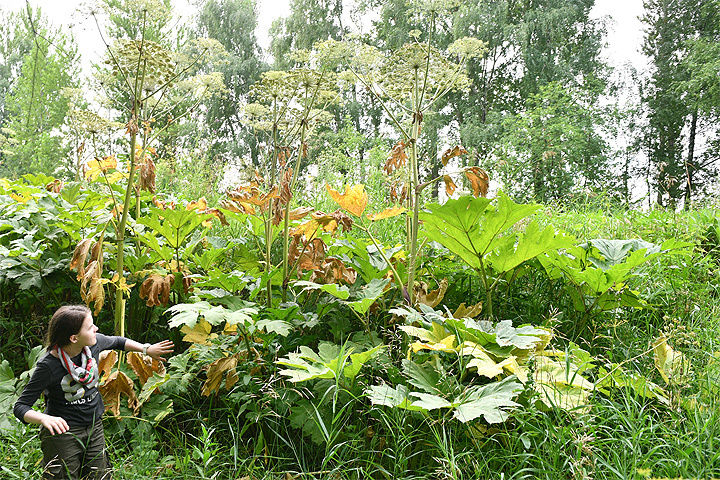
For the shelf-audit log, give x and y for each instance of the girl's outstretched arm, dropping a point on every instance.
(156, 350)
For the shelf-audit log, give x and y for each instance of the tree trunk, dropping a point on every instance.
(690, 160)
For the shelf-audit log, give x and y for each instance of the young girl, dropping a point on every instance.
(71, 436)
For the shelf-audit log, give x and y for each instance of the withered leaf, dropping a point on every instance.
(92, 286)
(468, 312)
(215, 373)
(146, 175)
(201, 205)
(333, 270)
(163, 205)
(433, 298)
(397, 159)
(55, 186)
(354, 200)
(244, 198)
(479, 180)
(79, 256)
(450, 186)
(144, 366)
(156, 288)
(308, 255)
(108, 359)
(452, 152)
(118, 384)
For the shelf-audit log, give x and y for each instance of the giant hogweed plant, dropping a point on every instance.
(152, 82)
(486, 234)
(146, 75)
(598, 273)
(289, 106)
(476, 370)
(408, 83)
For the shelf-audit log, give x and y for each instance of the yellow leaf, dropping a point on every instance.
(201, 205)
(512, 366)
(387, 213)
(200, 333)
(468, 312)
(115, 177)
(447, 344)
(672, 365)
(354, 200)
(20, 198)
(97, 165)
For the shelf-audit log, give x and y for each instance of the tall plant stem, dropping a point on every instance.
(120, 241)
(268, 223)
(414, 191)
(286, 224)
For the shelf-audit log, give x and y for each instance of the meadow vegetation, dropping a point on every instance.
(353, 300)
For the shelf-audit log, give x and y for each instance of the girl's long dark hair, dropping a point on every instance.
(65, 323)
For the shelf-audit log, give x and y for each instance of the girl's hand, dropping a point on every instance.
(157, 350)
(55, 425)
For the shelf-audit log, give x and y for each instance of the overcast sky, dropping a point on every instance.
(624, 39)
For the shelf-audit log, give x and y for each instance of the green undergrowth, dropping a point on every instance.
(308, 394)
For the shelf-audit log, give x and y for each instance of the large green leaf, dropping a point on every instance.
(330, 361)
(489, 401)
(529, 244)
(368, 294)
(189, 313)
(336, 290)
(601, 269)
(472, 227)
(425, 377)
(396, 397)
(175, 228)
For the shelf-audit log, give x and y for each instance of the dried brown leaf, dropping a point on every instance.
(451, 153)
(144, 366)
(333, 270)
(146, 175)
(308, 255)
(108, 359)
(215, 373)
(156, 289)
(433, 298)
(79, 256)
(468, 312)
(397, 159)
(55, 186)
(118, 384)
(479, 180)
(450, 186)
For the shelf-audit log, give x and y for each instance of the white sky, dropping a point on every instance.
(624, 38)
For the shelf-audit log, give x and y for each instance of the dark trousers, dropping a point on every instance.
(76, 454)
